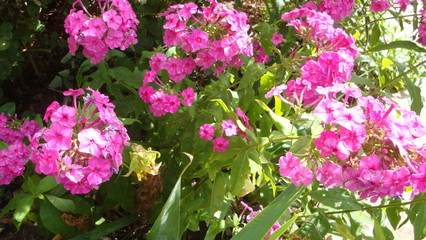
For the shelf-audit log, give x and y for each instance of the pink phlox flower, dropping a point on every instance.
(157, 62)
(171, 104)
(301, 175)
(276, 91)
(3, 120)
(95, 27)
(64, 115)
(74, 22)
(329, 144)
(149, 77)
(352, 180)
(288, 164)
(46, 161)
(91, 141)
(330, 174)
(353, 137)
(29, 128)
(72, 92)
(230, 128)
(277, 38)
(188, 96)
(188, 10)
(372, 162)
(81, 187)
(171, 38)
(197, 40)
(206, 132)
(114, 38)
(204, 60)
(220, 144)
(253, 214)
(98, 171)
(157, 101)
(51, 109)
(58, 136)
(145, 93)
(395, 181)
(400, 136)
(325, 109)
(242, 116)
(379, 5)
(112, 18)
(349, 116)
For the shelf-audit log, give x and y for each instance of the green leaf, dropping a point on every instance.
(375, 35)
(107, 228)
(124, 76)
(167, 223)
(399, 44)
(218, 203)
(419, 223)
(239, 170)
(62, 204)
(336, 198)
(3, 145)
(266, 36)
(129, 121)
(301, 145)
(361, 80)
(283, 124)
(51, 219)
(46, 184)
(415, 95)
(262, 223)
(280, 231)
(13, 203)
(8, 108)
(23, 207)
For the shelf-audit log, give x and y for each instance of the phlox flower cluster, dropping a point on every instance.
(209, 37)
(335, 61)
(14, 157)
(214, 34)
(371, 147)
(82, 145)
(253, 214)
(228, 128)
(422, 29)
(336, 9)
(115, 27)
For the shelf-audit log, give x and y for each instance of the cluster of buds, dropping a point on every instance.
(82, 145)
(114, 28)
(14, 154)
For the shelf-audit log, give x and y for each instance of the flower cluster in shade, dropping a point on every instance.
(331, 64)
(82, 145)
(14, 153)
(370, 146)
(253, 214)
(228, 128)
(211, 37)
(115, 27)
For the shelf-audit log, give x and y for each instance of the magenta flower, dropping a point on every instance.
(206, 132)
(114, 39)
(65, 116)
(277, 38)
(58, 136)
(98, 171)
(330, 174)
(50, 110)
(230, 128)
(91, 141)
(220, 144)
(188, 96)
